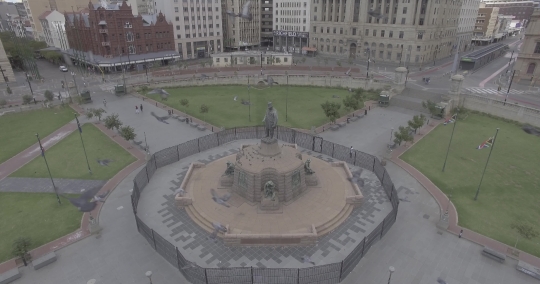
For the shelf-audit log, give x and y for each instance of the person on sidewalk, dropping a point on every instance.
(141, 107)
(104, 103)
(351, 151)
(136, 109)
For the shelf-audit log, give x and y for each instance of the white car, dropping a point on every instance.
(63, 68)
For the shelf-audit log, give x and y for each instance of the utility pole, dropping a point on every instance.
(368, 60)
(82, 142)
(509, 62)
(509, 85)
(30, 85)
(487, 161)
(287, 99)
(49, 170)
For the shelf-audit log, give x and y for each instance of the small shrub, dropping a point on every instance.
(21, 246)
(49, 95)
(3, 102)
(9, 91)
(27, 99)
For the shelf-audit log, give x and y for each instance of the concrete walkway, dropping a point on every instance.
(43, 185)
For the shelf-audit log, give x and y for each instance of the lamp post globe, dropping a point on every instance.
(149, 275)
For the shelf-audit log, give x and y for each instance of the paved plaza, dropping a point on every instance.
(413, 245)
(157, 210)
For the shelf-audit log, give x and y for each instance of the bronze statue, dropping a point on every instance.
(307, 167)
(270, 120)
(230, 169)
(270, 190)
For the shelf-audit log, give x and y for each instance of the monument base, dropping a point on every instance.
(226, 181)
(312, 180)
(269, 206)
(269, 147)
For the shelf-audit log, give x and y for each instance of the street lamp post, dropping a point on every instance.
(450, 142)
(75, 82)
(82, 142)
(4, 76)
(149, 275)
(391, 133)
(368, 60)
(401, 55)
(30, 85)
(509, 85)
(487, 161)
(249, 101)
(287, 100)
(509, 62)
(49, 170)
(391, 269)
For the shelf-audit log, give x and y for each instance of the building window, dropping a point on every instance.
(403, 21)
(401, 34)
(418, 48)
(390, 34)
(374, 32)
(366, 33)
(404, 10)
(537, 48)
(420, 36)
(129, 36)
(354, 31)
(242, 179)
(131, 49)
(176, 9)
(382, 33)
(295, 179)
(531, 68)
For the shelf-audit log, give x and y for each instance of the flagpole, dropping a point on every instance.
(84, 149)
(449, 143)
(49, 170)
(487, 161)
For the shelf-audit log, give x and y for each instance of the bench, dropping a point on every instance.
(201, 128)
(334, 127)
(44, 260)
(354, 118)
(500, 257)
(181, 118)
(192, 124)
(528, 269)
(342, 124)
(10, 276)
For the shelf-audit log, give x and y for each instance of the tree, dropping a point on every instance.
(252, 60)
(350, 61)
(338, 63)
(127, 132)
(331, 110)
(52, 56)
(326, 61)
(278, 60)
(112, 121)
(303, 59)
(184, 102)
(203, 64)
(3, 102)
(49, 95)
(98, 113)
(21, 246)
(351, 103)
(359, 95)
(89, 113)
(204, 109)
(431, 107)
(417, 122)
(525, 231)
(9, 91)
(27, 99)
(403, 134)
(211, 63)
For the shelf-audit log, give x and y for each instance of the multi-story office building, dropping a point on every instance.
(5, 66)
(528, 59)
(486, 29)
(466, 23)
(53, 25)
(240, 33)
(291, 25)
(267, 11)
(197, 26)
(521, 10)
(110, 36)
(423, 31)
(34, 8)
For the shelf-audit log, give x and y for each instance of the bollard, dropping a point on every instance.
(365, 112)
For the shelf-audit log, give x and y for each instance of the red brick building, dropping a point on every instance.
(108, 35)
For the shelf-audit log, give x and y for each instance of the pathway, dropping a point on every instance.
(43, 185)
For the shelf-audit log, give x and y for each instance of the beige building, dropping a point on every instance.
(5, 66)
(251, 58)
(35, 8)
(467, 19)
(197, 26)
(528, 59)
(487, 25)
(240, 33)
(291, 25)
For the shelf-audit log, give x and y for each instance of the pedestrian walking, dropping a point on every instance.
(350, 152)
(104, 103)
(261, 72)
(136, 109)
(141, 107)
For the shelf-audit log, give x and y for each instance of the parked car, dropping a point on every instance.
(63, 68)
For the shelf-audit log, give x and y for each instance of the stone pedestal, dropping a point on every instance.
(400, 76)
(269, 147)
(270, 206)
(312, 180)
(226, 181)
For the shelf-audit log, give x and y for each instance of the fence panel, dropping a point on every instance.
(378, 169)
(234, 275)
(188, 148)
(226, 136)
(373, 238)
(275, 276)
(151, 167)
(166, 156)
(286, 134)
(389, 221)
(261, 132)
(350, 262)
(364, 160)
(145, 231)
(141, 179)
(324, 274)
(327, 148)
(246, 132)
(343, 153)
(191, 271)
(208, 142)
(304, 140)
(317, 144)
(166, 249)
(387, 184)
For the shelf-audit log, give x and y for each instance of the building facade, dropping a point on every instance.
(408, 32)
(521, 10)
(197, 26)
(253, 58)
(110, 36)
(267, 12)
(466, 23)
(5, 66)
(34, 8)
(5, 10)
(240, 33)
(291, 25)
(486, 28)
(53, 26)
(528, 59)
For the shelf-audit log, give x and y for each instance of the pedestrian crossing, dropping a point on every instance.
(486, 91)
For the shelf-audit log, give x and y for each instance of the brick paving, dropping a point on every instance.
(43, 185)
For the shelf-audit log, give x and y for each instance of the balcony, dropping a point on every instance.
(103, 31)
(105, 43)
(108, 56)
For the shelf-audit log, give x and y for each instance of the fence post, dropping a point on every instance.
(252, 277)
(374, 159)
(354, 162)
(178, 152)
(298, 277)
(198, 145)
(154, 239)
(382, 229)
(382, 179)
(205, 276)
(313, 144)
(341, 271)
(155, 163)
(333, 147)
(235, 134)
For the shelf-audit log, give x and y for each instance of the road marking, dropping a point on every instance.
(483, 83)
(477, 90)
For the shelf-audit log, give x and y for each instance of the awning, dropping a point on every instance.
(102, 22)
(305, 48)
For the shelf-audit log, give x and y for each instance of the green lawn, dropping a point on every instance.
(18, 129)
(36, 216)
(303, 104)
(66, 159)
(509, 192)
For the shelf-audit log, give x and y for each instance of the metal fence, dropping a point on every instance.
(322, 274)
